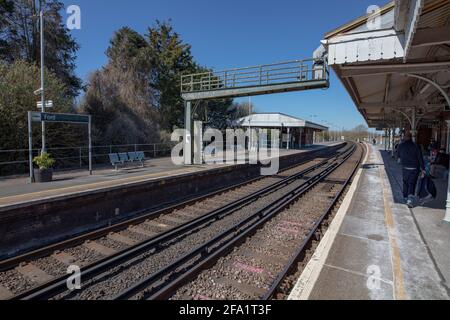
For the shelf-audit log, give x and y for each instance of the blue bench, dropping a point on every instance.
(138, 156)
(123, 158)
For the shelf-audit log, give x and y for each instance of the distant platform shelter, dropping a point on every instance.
(295, 133)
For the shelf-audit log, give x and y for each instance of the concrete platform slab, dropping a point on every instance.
(377, 248)
(356, 227)
(359, 254)
(347, 285)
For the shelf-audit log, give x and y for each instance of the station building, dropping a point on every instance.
(296, 133)
(395, 65)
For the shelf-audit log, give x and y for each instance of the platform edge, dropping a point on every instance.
(305, 284)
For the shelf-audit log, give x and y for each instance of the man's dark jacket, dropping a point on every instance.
(411, 155)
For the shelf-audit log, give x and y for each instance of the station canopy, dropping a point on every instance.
(276, 120)
(396, 71)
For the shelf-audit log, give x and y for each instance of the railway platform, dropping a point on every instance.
(34, 215)
(377, 248)
(16, 191)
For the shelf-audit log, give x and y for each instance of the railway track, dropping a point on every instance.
(255, 269)
(38, 271)
(140, 271)
(265, 263)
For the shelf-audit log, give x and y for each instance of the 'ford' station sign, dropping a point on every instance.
(59, 117)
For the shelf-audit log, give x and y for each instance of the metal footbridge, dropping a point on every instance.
(296, 75)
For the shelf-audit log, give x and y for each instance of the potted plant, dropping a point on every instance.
(45, 171)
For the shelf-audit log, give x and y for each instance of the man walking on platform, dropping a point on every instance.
(413, 165)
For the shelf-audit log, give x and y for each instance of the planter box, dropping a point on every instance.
(42, 176)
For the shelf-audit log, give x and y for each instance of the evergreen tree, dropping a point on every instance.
(172, 58)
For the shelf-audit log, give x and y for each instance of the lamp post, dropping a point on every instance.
(41, 18)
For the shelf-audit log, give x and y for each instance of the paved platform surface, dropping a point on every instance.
(377, 248)
(19, 190)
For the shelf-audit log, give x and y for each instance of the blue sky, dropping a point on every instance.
(234, 33)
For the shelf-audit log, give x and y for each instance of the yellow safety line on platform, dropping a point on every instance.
(9, 200)
(399, 288)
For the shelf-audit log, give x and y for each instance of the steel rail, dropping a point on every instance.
(58, 285)
(214, 248)
(304, 245)
(149, 213)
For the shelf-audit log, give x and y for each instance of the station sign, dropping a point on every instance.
(48, 104)
(59, 117)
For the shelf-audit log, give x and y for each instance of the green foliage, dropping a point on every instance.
(173, 58)
(19, 38)
(44, 161)
(18, 81)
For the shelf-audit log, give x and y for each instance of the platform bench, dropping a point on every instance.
(123, 158)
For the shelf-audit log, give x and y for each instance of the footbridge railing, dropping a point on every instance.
(271, 78)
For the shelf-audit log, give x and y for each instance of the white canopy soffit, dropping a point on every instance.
(276, 120)
(395, 65)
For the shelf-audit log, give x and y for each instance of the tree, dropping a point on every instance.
(358, 133)
(172, 58)
(116, 118)
(136, 97)
(126, 50)
(120, 97)
(18, 80)
(19, 38)
(6, 8)
(243, 109)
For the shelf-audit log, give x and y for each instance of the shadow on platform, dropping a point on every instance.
(395, 176)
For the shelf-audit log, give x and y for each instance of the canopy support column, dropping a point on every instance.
(385, 139)
(288, 138)
(447, 210)
(393, 141)
(414, 125)
(188, 133)
(198, 143)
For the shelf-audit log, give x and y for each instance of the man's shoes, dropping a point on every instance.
(410, 203)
